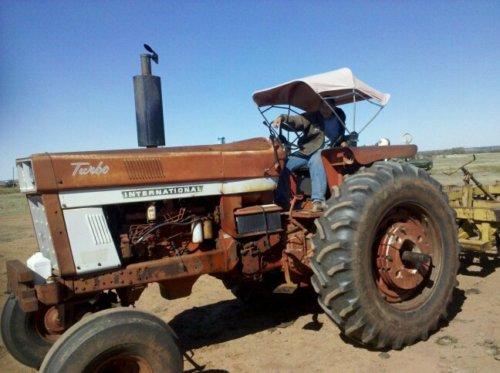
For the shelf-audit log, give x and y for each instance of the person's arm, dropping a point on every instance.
(293, 123)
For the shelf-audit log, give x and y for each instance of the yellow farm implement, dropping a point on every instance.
(477, 208)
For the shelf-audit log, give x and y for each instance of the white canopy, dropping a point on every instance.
(307, 93)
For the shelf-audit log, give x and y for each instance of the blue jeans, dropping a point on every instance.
(316, 170)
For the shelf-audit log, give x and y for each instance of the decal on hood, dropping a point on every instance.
(85, 168)
(165, 191)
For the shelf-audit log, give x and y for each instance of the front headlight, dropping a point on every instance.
(26, 175)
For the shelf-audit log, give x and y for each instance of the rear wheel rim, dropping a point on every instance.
(406, 227)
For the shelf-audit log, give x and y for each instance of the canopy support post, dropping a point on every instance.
(354, 111)
(335, 113)
(288, 132)
(373, 118)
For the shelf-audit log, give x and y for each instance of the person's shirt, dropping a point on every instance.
(334, 130)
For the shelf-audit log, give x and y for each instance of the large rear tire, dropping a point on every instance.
(365, 284)
(116, 340)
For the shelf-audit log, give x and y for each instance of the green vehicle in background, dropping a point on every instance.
(423, 163)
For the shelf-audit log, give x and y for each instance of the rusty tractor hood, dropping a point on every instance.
(246, 159)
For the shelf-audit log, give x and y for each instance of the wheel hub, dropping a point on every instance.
(403, 259)
(52, 321)
(49, 323)
(127, 363)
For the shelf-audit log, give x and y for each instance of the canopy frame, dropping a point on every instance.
(311, 93)
(289, 108)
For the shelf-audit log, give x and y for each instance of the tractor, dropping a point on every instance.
(382, 257)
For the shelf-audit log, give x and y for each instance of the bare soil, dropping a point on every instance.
(222, 335)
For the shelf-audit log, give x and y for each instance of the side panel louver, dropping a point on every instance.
(144, 169)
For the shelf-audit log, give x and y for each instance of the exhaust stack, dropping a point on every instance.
(148, 103)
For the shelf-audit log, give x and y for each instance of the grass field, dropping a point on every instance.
(13, 208)
(17, 239)
(486, 168)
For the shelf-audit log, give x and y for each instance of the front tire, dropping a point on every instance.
(116, 340)
(21, 334)
(365, 283)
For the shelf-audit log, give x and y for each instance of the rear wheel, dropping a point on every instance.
(116, 340)
(386, 256)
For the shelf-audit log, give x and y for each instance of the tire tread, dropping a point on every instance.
(333, 276)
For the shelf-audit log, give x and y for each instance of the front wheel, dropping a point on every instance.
(24, 334)
(386, 256)
(116, 340)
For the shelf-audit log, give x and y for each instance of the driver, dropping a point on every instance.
(314, 127)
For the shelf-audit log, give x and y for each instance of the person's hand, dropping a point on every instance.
(344, 144)
(277, 122)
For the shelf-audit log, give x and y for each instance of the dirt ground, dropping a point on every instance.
(222, 335)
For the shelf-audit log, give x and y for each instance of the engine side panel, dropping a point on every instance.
(92, 246)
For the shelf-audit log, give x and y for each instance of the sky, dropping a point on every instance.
(66, 68)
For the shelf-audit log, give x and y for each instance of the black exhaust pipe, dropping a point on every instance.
(148, 103)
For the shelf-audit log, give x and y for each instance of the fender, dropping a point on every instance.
(339, 161)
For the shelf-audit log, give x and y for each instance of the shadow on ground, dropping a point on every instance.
(455, 307)
(230, 319)
(481, 266)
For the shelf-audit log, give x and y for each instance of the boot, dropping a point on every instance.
(318, 206)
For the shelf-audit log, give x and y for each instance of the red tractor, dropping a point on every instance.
(382, 257)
